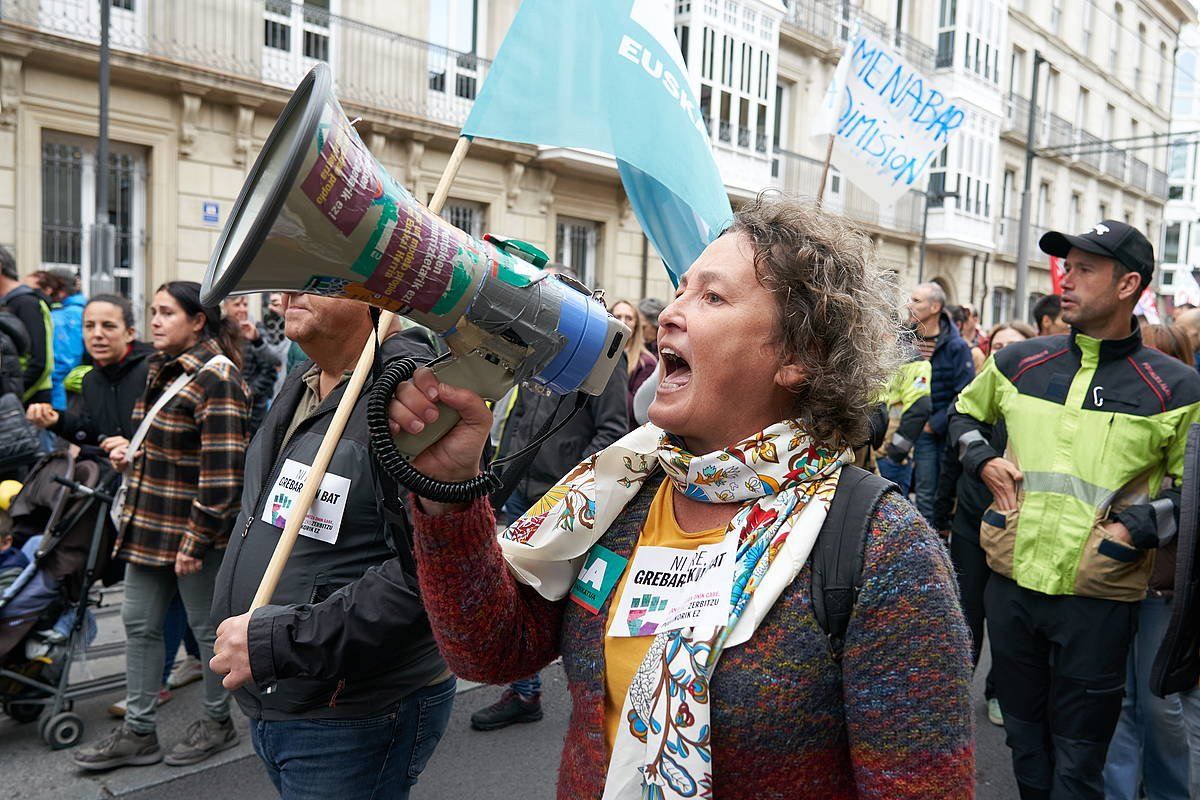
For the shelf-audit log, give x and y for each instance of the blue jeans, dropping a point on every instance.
(927, 467)
(1149, 749)
(899, 474)
(367, 757)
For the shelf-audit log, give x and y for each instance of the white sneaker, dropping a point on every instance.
(994, 714)
(186, 670)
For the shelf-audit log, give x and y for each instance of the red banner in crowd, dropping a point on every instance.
(1057, 271)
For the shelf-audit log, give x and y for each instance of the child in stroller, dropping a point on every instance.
(61, 519)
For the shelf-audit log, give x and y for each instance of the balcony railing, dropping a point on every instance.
(1016, 114)
(276, 42)
(1139, 173)
(801, 175)
(833, 21)
(1008, 233)
(1158, 184)
(1089, 145)
(1057, 131)
(1114, 162)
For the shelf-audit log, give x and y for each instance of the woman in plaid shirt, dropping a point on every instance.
(183, 491)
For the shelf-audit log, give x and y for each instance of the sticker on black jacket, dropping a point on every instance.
(324, 518)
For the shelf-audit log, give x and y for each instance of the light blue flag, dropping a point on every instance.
(607, 75)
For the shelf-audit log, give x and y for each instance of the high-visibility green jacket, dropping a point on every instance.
(1094, 426)
(909, 405)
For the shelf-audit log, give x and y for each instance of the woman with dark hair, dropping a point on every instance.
(183, 476)
(693, 654)
(110, 387)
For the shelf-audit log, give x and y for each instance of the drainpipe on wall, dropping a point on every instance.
(983, 286)
(645, 266)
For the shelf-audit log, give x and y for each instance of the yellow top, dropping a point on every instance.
(623, 654)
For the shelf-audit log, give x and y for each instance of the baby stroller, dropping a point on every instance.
(67, 502)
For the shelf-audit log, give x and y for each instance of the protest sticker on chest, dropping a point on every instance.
(601, 570)
(669, 588)
(324, 518)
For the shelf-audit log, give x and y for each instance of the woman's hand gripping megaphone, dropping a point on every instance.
(456, 456)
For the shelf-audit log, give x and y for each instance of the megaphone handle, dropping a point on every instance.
(490, 381)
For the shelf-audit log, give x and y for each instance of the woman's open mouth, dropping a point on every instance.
(676, 372)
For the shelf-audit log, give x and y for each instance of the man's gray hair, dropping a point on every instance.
(936, 293)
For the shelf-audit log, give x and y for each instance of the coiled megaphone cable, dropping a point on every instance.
(397, 466)
(402, 472)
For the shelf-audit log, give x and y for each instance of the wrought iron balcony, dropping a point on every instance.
(1158, 184)
(801, 175)
(1139, 174)
(1115, 160)
(1016, 114)
(833, 22)
(276, 42)
(1090, 147)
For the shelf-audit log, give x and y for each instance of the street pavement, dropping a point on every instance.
(518, 762)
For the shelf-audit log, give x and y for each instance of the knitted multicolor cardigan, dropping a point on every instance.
(780, 726)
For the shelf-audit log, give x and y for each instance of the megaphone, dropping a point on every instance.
(319, 214)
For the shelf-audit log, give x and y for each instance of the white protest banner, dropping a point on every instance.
(890, 121)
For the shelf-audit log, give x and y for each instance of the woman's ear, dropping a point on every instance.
(789, 376)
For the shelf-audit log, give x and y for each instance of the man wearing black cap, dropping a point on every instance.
(1096, 421)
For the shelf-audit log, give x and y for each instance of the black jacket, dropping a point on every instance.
(107, 396)
(603, 420)
(953, 369)
(26, 305)
(346, 635)
(260, 369)
(14, 340)
(962, 497)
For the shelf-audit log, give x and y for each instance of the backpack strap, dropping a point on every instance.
(837, 558)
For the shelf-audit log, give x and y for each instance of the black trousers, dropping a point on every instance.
(972, 571)
(1059, 666)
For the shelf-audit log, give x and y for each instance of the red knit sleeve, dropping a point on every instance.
(489, 627)
(907, 667)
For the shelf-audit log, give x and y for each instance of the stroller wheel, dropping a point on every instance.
(23, 711)
(62, 730)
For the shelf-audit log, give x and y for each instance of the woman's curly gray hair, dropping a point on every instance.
(837, 311)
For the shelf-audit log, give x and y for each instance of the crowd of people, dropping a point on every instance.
(1017, 486)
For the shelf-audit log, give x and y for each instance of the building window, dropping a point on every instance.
(1056, 15)
(69, 210)
(948, 11)
(1171, 244)
(451, 62)
(1002, 302)
(1114, 37)
(1086, 28)
(1076, 211)
(295, 37)
(576, 242)
(466, 216)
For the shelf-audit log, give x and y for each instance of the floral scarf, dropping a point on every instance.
(784, 483)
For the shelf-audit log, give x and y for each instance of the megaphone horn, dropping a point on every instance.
(319, 214)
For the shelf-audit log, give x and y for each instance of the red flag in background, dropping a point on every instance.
(1057, 271)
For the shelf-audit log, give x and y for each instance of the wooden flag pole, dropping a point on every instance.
(287, 539)
(825, 169)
